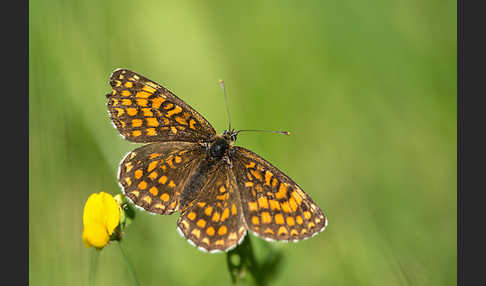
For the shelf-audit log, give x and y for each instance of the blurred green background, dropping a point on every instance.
(367, 88)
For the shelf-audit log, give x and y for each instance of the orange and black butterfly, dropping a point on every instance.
(221, 190)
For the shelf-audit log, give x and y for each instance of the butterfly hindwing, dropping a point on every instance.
(153, 176)
(274, 206)
(144, 111)
(213, 221)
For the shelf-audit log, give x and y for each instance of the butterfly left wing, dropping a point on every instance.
(213, 221)
(144, 111)
(274, 206)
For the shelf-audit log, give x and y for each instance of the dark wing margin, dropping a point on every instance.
(274, 206)
(144, 111)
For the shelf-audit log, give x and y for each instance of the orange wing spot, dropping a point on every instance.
(154, 191)
(128, 181)
(148, 89)
(201, 204)
(255, 220)
(138, 174)
(225, 214)
(232, 236)
(233, 209)
(290, 221)
(132, 111)
(282, 191)
(222, 189)
(192, 123)
(253, 206)
(159, 206)
(249, 184)
(196, 232)
(304, 231)
(201, 223)
(285, 207)
(219, 242)
(297, 197)
(154, 85)
(128, 84)
(307, 215)
(263, 202)
(310, 225)
(250, 165)
(168, 106)
(259, 188)
(171, 184)
(293, 204)
(135, 193)
(294, 232)
(177, 159)
(216, 217)
(151, 131)
(274, 183)
(147, 199)
(282, 230)
(222, 230)
(269, 231)
(274, 205)
(123, 123)
(156, 102)
(210, 231)
(279, 219)
(176, 110)
(163, 180)
(136, 122)
(185, 223)
(191, 215)
(205, 240)
(181, 120)
(117, 83)
(147, 112)
(136, 133)
(142, 185)
(152, 165)
(119, 111)
(208, 210)
(142, 102)
(268, 176)
(257, 174)
(142, 94)
(165, 197)
(126, 102)
(153, 175)
(317, 220)
(173, 204)
(125, 93)
(128, 166)
(299, 219)
(115, 101)
(151, 121)
(173, 129)
(266, 217)
(163, 167)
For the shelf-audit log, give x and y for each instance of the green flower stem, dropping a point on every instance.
(128, 264)
(93, 266)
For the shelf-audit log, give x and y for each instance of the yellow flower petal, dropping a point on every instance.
(101, 216)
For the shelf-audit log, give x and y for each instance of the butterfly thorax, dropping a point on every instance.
(221, 144)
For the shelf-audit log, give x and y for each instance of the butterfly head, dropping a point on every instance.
(230, 135)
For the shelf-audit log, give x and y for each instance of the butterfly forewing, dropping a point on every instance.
(153, 176)
(274, 206)
(144, 111)
(214, 221)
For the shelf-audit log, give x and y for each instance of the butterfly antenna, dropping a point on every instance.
(221, 83)
(271, 131)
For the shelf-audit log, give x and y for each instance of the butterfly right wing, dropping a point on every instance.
(274, 206)
(154, 175)
(144, 111)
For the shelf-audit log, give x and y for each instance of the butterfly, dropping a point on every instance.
(220, 190)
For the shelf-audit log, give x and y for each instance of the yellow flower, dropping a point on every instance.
(100, 218)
